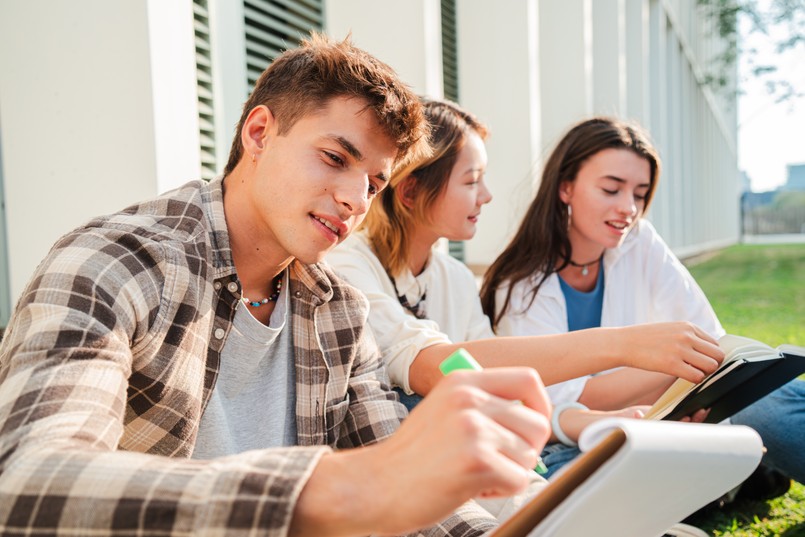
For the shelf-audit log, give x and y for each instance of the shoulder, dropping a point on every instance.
(355, 253)
(330, 290)
(450, 267)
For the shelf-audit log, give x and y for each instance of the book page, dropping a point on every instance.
(734, 347)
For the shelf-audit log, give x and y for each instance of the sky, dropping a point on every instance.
(771, 135)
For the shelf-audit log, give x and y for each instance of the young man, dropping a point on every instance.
(186, 366)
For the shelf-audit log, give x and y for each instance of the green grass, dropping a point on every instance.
(759, 292)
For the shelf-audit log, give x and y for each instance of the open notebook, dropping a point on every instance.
(638, 478)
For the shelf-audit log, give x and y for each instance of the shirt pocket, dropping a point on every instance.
(334, 416)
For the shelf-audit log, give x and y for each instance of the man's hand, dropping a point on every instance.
(681, 349)
(469, 437)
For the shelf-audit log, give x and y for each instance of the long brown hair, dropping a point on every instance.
(541, 245)
(391, 218)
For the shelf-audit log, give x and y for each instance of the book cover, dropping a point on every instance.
(750, 370)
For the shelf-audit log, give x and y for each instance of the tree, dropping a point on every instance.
(781, 22)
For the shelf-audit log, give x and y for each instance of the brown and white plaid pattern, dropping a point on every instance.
(112, 354)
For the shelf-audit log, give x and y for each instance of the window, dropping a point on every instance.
(206, 118)
(450, 77)
(276, 25)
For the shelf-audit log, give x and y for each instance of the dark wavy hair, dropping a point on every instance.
(541, 244)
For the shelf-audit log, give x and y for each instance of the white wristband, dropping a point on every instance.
(557, 429)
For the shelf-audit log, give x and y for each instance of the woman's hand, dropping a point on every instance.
(681, 349)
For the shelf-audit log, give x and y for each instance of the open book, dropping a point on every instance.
(750, 370)
(637, 478)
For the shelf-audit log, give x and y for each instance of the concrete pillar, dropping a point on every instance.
(498, 52)
(93, 116)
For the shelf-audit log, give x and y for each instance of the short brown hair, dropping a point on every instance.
(303, 80)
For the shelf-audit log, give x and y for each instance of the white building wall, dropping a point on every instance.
(83, 131)
(97, 102)
(498, 53)
(409, 39)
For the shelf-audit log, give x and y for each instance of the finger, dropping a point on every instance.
(704, 335)
(710, 350)
(511, 383)
(702, 362)
(523, 429)
(508, 478)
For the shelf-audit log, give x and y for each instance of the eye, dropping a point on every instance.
(610, 192)
(373, 190)
(639, 197)
(337, 161)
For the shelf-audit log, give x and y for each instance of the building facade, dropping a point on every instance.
(104, 103)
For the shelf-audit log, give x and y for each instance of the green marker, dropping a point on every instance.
(461, 359)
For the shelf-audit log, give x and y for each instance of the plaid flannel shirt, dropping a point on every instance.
(112, 355)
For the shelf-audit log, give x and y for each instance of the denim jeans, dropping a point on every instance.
(410, 401)
(779, 418)
(557, 455)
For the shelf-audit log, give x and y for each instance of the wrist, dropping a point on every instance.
(340, 497)
(556, 426)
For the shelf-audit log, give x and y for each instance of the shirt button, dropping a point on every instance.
(216, 286)
(220, 333)
(298, 294)
(232, 286)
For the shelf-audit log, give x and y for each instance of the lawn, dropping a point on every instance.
(759, 292)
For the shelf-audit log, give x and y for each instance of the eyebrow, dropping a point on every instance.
(618, 179)
(350, 148)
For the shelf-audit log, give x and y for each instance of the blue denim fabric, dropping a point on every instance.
(779, 418)
(410, 401)
(557, 455)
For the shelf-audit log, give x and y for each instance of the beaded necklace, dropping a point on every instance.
(274, 296)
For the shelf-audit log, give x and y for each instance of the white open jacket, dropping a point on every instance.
(644, 282)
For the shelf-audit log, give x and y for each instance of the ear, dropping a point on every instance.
(405, 191)
(566, 191)
(258, 128)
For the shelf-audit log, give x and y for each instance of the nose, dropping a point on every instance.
(484, 195)
(627, 205)
(352, 194)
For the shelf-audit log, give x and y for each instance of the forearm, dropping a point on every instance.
(340, 498)
(624, 387)
(556, 358)
(573, 420)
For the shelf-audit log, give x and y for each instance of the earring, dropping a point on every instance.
(569, 215)
(253, 157)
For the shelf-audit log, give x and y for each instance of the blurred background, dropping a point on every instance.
(106, 103)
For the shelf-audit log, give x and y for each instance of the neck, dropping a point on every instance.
(419, 248)
(584, 252)
(257, 257)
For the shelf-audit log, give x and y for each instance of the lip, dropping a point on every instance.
(474, 218)
(618, 226)
(332, 227)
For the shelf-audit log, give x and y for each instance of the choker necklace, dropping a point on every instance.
(418, 309)
(274, 296)
(585, 270)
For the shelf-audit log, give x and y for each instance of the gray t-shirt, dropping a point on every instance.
(253, 402)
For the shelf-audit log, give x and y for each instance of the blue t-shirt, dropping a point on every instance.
(584, 309)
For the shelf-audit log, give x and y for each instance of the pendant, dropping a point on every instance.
(584, 270)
